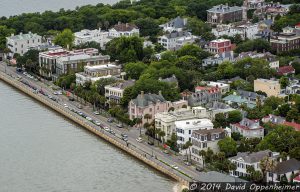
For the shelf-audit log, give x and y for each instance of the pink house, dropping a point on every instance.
(151, 104)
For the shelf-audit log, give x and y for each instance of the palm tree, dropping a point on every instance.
(202, 153)
(147, 116)
(267, 164)
(186, 146)
(139, 121)
(162, 134)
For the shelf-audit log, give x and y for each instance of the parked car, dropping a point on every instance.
(150, 143)
(174, 166)
(71, 99)
(187, 163)
(96, 113)
(79, 106)
(112, 132)
(110, 120)
(88, 118)
(106, 129)
(97, 123)
(120, 126)
(166, 151)
(124, 135)
(125, 139)
(198, 168)
(139, 140)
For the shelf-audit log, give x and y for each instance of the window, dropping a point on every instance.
(204, 145)
(190, 131)
(217, 136)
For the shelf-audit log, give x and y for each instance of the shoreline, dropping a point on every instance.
(54, 106)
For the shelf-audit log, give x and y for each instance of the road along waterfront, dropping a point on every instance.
(156, 163)
(43, 151)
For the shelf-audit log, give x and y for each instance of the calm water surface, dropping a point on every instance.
(40, 151)
(14, 7)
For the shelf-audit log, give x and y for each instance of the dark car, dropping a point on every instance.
(110, 120)
(71, 99)
(198, 168)
(150, 143)
(124, 135)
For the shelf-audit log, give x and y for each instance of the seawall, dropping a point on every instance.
(60, 109)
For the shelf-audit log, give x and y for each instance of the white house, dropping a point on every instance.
(185, 128)
(175, 39)
(284, 170)
(246, 31)
(123, 29)
(114, 92)
(166, 120)
(203, 139)
(248, 128)
(224, 88)
(22, 42)
(96, 72)
(247, 159)
(177, 24)
(95, 35)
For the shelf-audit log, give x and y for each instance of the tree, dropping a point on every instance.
(258, 45)
(273, 102)
(134, 70)
(148, 26)
(284, 109)
(267, 164)
(4, 32)
(228, 146)
(192, 50)
(220, 120)
(293, 115)
(282, 139)
(197, 27)
(186, 147)
(125, 49)
(234, 116)
(65, 38)
(284, 81)
(172, 143)
(254, 175)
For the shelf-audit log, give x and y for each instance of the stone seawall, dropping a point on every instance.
(60, 109)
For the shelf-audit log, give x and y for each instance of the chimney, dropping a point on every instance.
(287, 157)
(159, 92)
(142, 94)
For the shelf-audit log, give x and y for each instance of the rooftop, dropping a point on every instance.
(286, 69)
(293, 124)
(124, 27)
(194, 123)
(100, 67)
(254, 157)
(224, 9)
(122, 85)
(208, 131)
(144, 100)
(269, 81)
(22, 36)
(287, 166)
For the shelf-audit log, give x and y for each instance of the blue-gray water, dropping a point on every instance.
(40, 151)
(14, 7)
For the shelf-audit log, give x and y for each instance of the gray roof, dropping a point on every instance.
(249, 94)
(178, 22)
(24, 36)
(252, 157)
(124, 84)
(214, 176)
(176, 34)
(287, 166)
(143, 100)
(171, 79)
(224, 9)
(217, 105)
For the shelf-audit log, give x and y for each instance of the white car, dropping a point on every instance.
(65, 105)
(97, 123)
(96, 113)
(139, 140)
(88, 118)
(106, 129)
(174, 166)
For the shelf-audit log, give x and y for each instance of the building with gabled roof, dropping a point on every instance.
(247, 159)
(123, 29)
(151, 104)
(176, 24)
(286, 70)
(248, 128)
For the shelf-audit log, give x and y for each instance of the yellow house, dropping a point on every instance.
(270, 87)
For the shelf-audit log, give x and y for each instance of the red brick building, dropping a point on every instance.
(220, 46)
(288, 40)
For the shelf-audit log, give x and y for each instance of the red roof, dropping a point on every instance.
(208, 89)
(286, 70)
(297, 178)
(292, 124)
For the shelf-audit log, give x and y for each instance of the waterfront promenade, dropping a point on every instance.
(141, 151)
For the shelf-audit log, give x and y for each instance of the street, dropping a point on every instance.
(151, 152)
